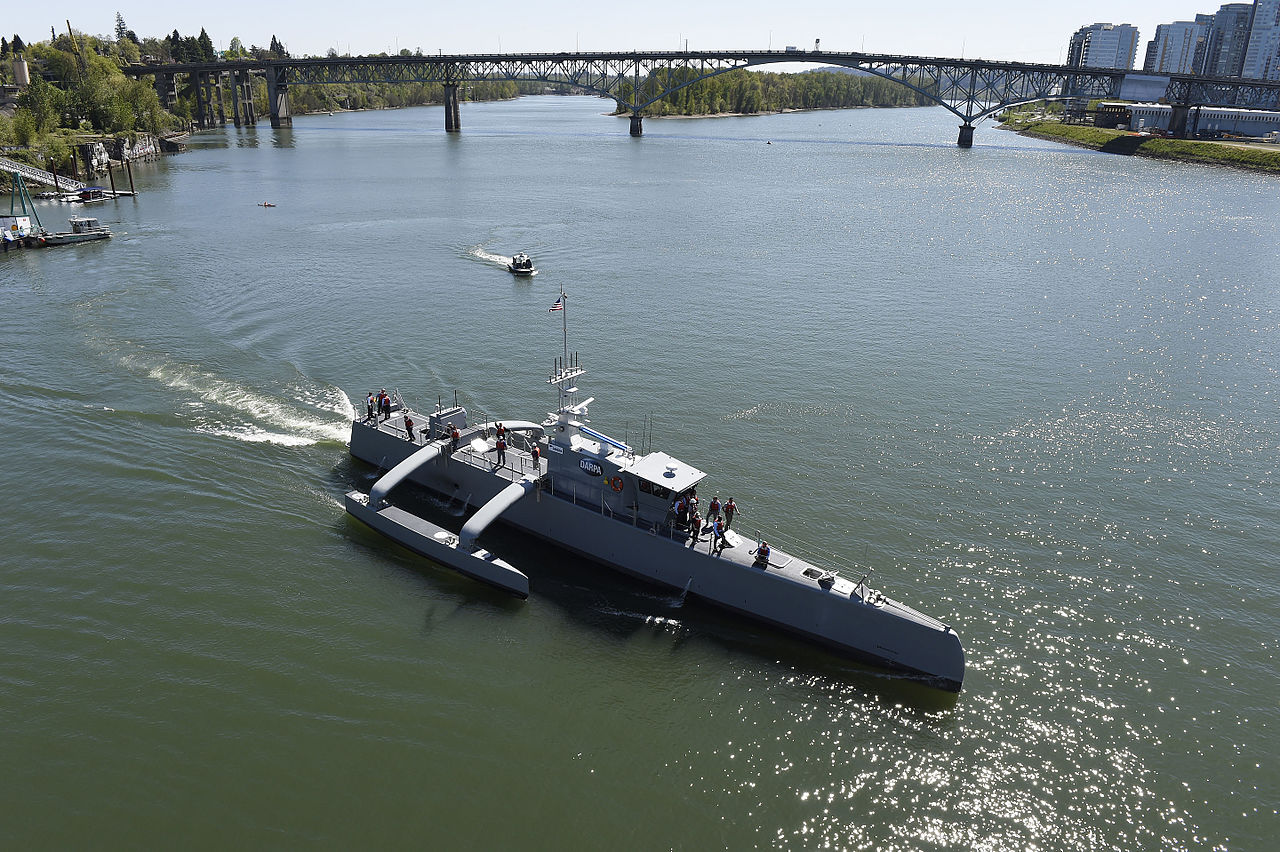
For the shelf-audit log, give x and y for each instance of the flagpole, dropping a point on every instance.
(564, 319)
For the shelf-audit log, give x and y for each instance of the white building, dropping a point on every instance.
(1177, 48)
(1262, 58)
(1104, 46)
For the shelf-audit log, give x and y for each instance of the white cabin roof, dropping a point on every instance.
(662, 469)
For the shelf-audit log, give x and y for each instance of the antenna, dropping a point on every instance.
(566, 368)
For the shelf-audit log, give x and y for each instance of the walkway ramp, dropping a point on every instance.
(31, 173)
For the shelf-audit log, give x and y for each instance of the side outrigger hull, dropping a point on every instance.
(437, 544)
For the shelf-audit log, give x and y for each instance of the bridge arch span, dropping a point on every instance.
(972, 89)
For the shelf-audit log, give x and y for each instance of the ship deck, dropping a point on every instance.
(478, 451)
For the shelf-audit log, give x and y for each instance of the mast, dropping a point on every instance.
(565, 370)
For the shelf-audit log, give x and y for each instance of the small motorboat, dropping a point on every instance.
(83, 230)
(265, 204)
(521, 264)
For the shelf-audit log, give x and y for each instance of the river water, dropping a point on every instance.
(1033, 387)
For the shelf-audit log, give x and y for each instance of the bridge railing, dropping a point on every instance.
(31, 173)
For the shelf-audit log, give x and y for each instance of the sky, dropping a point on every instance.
(1026, 31)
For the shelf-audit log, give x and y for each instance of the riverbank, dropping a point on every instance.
(1124, 142)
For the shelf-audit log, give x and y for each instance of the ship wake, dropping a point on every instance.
(293, 413)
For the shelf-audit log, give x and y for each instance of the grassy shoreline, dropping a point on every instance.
(1124, 142)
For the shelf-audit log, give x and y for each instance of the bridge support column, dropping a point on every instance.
(637, 124)
(167, 89)
(278, 96)
(452, 115)
(966, 136)
(202, 101)
(246, 93)
(217, 93)
(234, 82)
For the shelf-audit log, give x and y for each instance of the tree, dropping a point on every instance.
(58, 151)
(206, 46)
(235, 50)
(277, 49)
(44, 102)
(128, 51)
(18, 46)
(24, 127)
(122, 31)
(4, 47)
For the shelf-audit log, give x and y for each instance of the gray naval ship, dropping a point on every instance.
(574, 486)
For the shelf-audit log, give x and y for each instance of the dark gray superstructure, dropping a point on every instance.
(599, 498)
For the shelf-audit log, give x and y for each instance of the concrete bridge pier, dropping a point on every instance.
(637, 124)
(217, 97)
(966, 136)
(278, 96)
(167, 89)
(245, 84)
(234, 83)
(204, 118)
(452, 114)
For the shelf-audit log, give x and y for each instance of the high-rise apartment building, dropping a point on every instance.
(1262, 57)
(1104, 46)
(1228, 40)
(1178, 48)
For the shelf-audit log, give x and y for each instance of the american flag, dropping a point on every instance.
(558, 306)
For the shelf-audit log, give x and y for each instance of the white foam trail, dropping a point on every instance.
(251, 435)
(298, 416)
(480, 253)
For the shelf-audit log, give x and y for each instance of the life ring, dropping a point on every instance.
(616, 483)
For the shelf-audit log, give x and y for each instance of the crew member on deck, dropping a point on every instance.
(537, 459)
(762, 555)
(368, 407)
(717, 536)
(713, 511)
(682, 512)
(454, 435)
(730, 509)
(408, 427)
(695, 527)
(501, 446)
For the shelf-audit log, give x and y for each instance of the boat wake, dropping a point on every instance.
(481, 253)
(298, 413)
(661, 623)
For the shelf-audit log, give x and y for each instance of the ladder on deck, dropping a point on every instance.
(41, 176)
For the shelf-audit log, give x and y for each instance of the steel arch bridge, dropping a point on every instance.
(971, 89)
